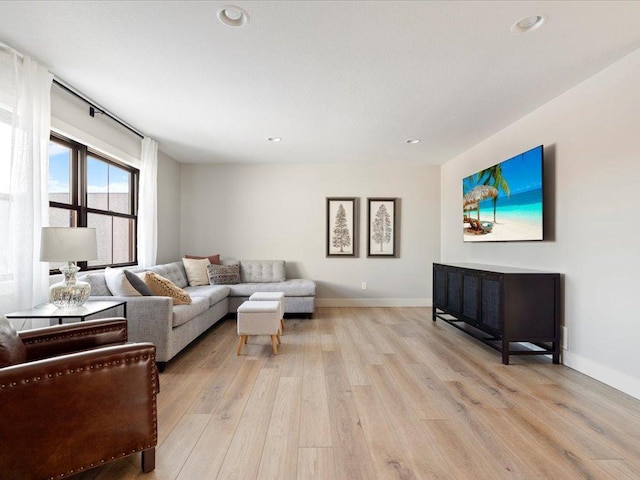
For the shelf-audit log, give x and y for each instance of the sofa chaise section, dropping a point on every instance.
(270, 276)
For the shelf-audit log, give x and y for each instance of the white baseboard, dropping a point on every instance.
(373, 302)
(613, 378)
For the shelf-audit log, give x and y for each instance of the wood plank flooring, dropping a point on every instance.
(380, 393)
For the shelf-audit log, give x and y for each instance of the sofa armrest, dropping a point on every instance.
(150, 319)
(73, 337)
(70, 413)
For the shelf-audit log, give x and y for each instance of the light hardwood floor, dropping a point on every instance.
(381, 393)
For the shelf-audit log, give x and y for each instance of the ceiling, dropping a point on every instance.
(338, 81)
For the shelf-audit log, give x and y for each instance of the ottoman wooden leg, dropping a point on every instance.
(241, 342)
(274, 344)
(279, 339)
(282, 324)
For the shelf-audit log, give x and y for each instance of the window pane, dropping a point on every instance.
(118, 190)
(108, 186)
(59, 173)
(104, 227)
(61, 217)
(115, 236)
(122, 233)
(97, 184)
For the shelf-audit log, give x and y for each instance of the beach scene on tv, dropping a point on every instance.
(504, 202)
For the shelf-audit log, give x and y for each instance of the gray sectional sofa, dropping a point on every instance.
(172, 327)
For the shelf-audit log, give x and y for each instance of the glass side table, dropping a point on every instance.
(49, 310)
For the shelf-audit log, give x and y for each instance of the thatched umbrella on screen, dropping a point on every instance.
(466, 209)
(477, 194)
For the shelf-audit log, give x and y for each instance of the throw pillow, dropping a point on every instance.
(164, 287)
(224, 274)
(118, 283)
(214, 259)
(136, 282)
(196, 271)
(12, 350)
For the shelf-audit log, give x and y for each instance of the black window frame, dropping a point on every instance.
(79, 196)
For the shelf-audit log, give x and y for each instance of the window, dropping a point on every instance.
(88, 189)
(5, 178)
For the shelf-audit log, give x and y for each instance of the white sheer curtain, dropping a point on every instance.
(148, 204)
(25, 116)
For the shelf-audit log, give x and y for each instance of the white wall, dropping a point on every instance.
(169, 223)
(279, 212)
(592, 150)
(70, 116)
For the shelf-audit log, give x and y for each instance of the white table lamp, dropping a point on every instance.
(68, 244)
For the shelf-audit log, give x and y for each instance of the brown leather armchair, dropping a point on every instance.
(73, 397)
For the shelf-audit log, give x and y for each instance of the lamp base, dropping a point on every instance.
(70, 292)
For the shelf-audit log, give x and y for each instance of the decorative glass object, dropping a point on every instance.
(68, 244)
(70, 292)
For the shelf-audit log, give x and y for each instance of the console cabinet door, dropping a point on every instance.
(491, 301)
(470, 297)
(439, 287)
(454, 291)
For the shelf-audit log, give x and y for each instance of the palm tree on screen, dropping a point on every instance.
(493, 177)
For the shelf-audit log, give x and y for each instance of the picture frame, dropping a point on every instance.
(383, 227)
(342, 226)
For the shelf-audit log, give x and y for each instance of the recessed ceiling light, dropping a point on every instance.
(274, 139)
(412, 140)
(528, 24)
(233, 16)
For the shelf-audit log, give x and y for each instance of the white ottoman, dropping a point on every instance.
(259, 318)
(271, 297)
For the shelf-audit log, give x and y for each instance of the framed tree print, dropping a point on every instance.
(382, 227)
(342, 227)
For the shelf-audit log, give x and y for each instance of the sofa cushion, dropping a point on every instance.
(262, 271)
(184, 313)
(215, 259)
(164, 287)
(214, 293)
(136, 282)
(196, 269)
(119, 284)
(295, 287)
(12, 350)
(224, 274)
(98, 284)
(172, 271)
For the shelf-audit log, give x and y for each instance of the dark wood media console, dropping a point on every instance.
(512, 310)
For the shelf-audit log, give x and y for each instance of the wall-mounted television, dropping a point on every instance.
(504, 202)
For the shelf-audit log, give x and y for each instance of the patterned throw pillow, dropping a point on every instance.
(163, 287)
(224, 274)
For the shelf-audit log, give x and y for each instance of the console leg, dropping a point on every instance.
(556, 353)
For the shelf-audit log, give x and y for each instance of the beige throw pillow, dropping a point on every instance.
(164, 287)
(119, 284)
(196, 271)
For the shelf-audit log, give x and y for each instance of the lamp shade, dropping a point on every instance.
(68, 244)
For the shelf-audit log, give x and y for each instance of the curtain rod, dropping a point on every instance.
(93, 107)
